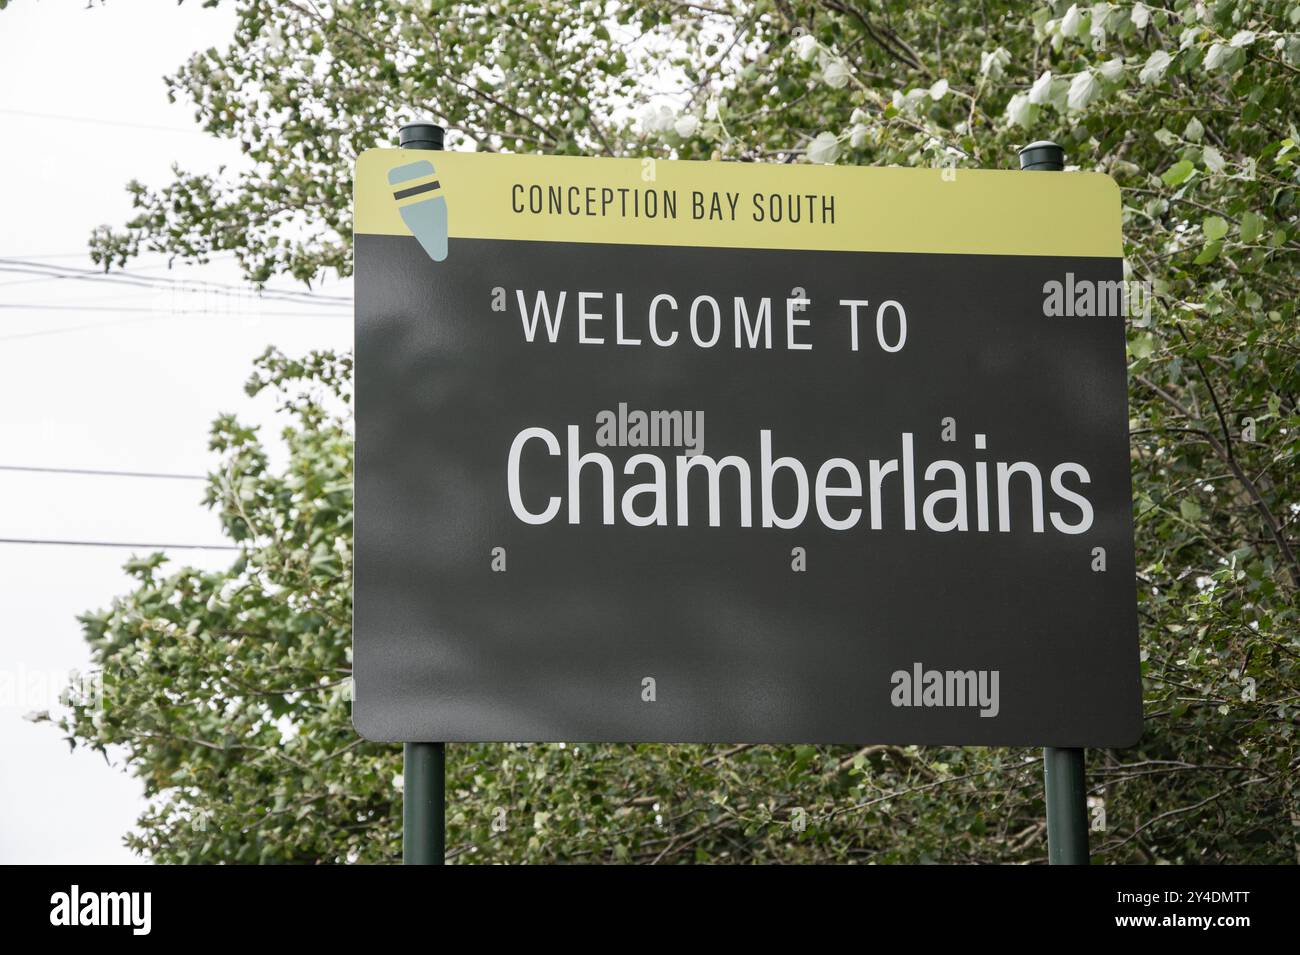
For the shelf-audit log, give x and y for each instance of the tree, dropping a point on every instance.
(227, 691)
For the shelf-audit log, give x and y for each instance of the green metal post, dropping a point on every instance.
(1067, 806)
(424, 765)
(424, 803)
(1063, 773)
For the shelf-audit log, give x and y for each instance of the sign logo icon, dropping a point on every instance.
(422, 205)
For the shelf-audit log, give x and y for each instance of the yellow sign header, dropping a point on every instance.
(441, 195)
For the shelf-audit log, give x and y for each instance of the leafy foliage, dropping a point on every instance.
(227, 691)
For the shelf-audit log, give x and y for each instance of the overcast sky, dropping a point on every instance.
(100, 377)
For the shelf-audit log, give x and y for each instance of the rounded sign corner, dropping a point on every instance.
(367, 729)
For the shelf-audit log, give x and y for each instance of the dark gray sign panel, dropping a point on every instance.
(672, 477)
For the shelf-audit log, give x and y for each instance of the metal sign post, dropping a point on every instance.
(424, 765)
(1064, 780)
(1067, 806)
(424, 803)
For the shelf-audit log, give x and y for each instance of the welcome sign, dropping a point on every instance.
(678, 451)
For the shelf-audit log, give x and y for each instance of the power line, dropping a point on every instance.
(85, 254)
(31, 114)
(160, 311)
(50, 272)
(77, 543)
(77, 328)
(34, 262)
(104, 472)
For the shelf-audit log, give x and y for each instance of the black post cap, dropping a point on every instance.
(1043, 155)
(420, 136)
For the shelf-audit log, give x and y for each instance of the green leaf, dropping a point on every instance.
(1210, 252)
(1214, 227)
(1177, 174)
(1252, 227)
(1142, 346)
